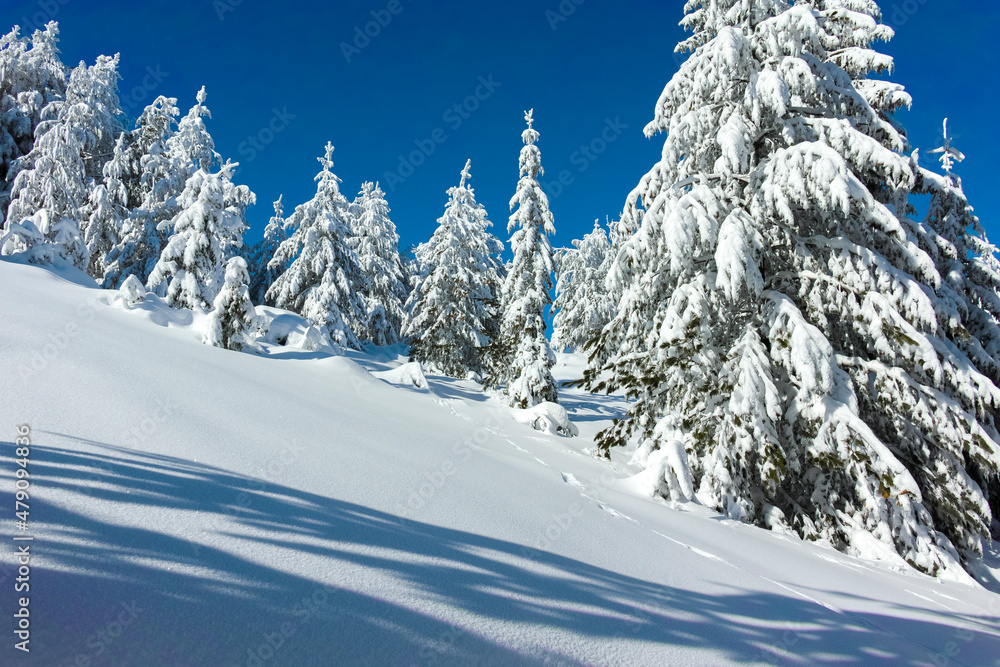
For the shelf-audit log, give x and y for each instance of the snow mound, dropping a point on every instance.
(411, 374)
(131, 293)
(310, 340)
(551, 418)
(666, 474)
(281, 324)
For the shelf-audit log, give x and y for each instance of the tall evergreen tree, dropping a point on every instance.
(261, 276)
(107, 214)
(583, 305)
(31, 78)
(523, 356)
(56, 176)
(376, 244)
(451, 313)
(322, 275)
(212, 218)
(970, 270)
(233, 319)
(781, 316)
(144, 168)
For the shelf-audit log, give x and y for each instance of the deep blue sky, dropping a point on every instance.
(609, 60)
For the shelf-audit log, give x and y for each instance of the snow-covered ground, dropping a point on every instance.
(192, 506)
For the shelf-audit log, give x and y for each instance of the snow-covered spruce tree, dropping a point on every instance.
(452, 312)
(191, 147)
(233, 320)
(322, 275)
(156, 162)
(55, 175)
(376, 244)
(262, 277)
(211, 219)
(780, 315)
(103, 229)
(522, 356)
(970, 272)
(583, 303)
(31, 77)
(143, 162)
(94, 91)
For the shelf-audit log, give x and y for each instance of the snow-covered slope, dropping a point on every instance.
(192, 506)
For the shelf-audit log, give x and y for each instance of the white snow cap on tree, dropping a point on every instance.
(823, 357)
(452, 313)
(233, 321)
(57, 174)
(191, 147)
(523, 358)
(376, 244)
(583, 303)
(211, 220)
(323, 274)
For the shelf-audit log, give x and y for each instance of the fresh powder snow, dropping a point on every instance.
(196, 506)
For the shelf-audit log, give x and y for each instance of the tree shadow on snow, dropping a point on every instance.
(183, 595)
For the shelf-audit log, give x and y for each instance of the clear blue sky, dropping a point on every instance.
(606, 63)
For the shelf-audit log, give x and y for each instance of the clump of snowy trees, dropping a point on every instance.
(155, 205)
(828, 363)
(800, 351)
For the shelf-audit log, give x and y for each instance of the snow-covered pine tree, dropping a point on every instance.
(211, 219)
(142, 160)
(191, 147)
(94, 90)
(261, 276)
(970, 270)
(452, 312)
(56, 174)
(166, 175)
(322, 275)
(522, 357)
(104, 228)
(376, 244)
(780, 315)
(233, 320)
(31, 78)
(583, 305)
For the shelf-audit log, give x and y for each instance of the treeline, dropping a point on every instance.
(154, 207)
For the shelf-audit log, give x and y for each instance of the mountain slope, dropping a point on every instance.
(192, 506)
